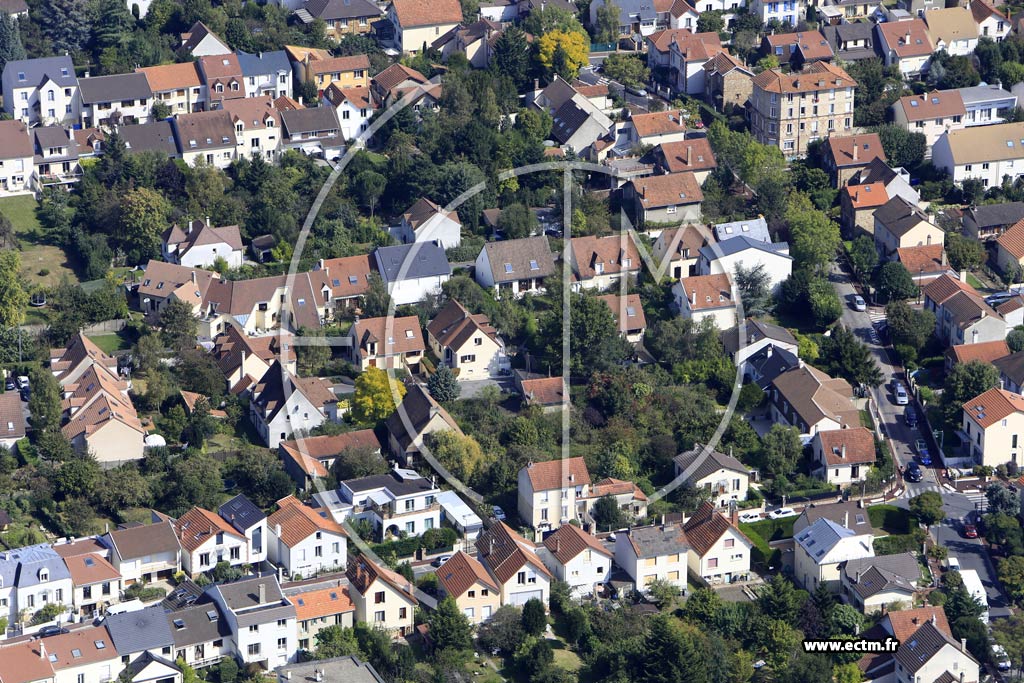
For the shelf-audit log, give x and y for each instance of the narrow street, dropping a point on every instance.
(970, 552)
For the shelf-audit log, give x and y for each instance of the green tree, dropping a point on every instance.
(14, 294)
(160, 110)
(1015, 340)
(503, 631)
(562, 52)
(964, 253)
(627, 69)
(336, 641)
(65, 23)
(11, 48)
(1009, 633)
(964, 382)
(44, 401)
(894, 283)
(1011, 575)
(535, 620)
(606, 29)
(825, 304)
(779, 599)
(145, 214)
(511, 56)
(443, 386)
(814, 238)
(459, 453)
(449, 627)
(781, 450)
(753, 285)
(375, 396)
(369, 186)
(927, 507)
(516, 221)
(902, 147)
(178, 326)
(710, 22)
(358, 461)
(863, 255)
(607, 514)
(671, 654)
(908, 326)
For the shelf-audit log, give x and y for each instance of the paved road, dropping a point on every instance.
(957, 506)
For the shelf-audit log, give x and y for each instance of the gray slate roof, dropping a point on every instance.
(341, 9)
(60, 70)
(922, 646)
(567, 120)
(980, 94)
(197, 624)
(424, 259)
(741, 243)
(821, 537)
(348, 669)
(394, 483)
(1012, 366)
(155, 136)
(878, 574)
(755, 228)
(146, 629)
(706, 464)
(241, 513)
(519, 253)
(993, 215)
(242, 598)
(756, 330)
(770, 365)
(263, 63)
(309, 120)
(116, 88)
(21, 567)
(899, 216)
(655, 541)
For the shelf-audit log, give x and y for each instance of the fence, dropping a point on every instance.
(105, 327)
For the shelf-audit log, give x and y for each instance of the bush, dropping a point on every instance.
(49, 612)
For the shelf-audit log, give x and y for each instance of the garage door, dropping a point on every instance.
(522, 598)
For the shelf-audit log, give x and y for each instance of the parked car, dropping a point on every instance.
(999, 656)
(10, 384)
(913, 472)
(899, 393)
(781, 513)
(999, 298)
(22, 382)
(922, 452)
(970, 531)
(440, 560)
(48, 631)
(25, 393)
(498, 513)
(910, 415)
(635, 90)
(750, 517)
(952, 564)
(859, 304)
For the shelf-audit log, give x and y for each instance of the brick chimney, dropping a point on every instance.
(855, 149)
(689, 155)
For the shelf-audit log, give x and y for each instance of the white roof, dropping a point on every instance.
(827, 542)
(457, 511)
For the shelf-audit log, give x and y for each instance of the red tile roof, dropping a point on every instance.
(992, 406)
(412, 13)
(323, 602)
(546, 391)
(462, 572)
(855, 150)
(569, 541)
(924, 260)
(907, 38)
(983, 351)
(557, 474)
(298, 521)
(1013, 240)
(707, 291)
(867, 196)
(197, 526)
(847, 446)
(705, 528)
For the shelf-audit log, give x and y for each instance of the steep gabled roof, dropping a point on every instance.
(569, 541)
(362, 572)
(504, 552)
(707, 526)
(461, 572)
(197, 526)
(557, 474)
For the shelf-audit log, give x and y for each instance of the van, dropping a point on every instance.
(952, 564)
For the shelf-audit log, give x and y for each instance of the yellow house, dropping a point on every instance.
(1010, 249)
(468, 583)
(382, 598)
(900, 224)
(420, 22)
(992, 427)
(344, 72)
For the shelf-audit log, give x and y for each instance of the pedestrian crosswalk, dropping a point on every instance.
(877, 316)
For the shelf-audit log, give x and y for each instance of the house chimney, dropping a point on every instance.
(856, 579)
(963, 276)
(263, 593)
(963, 645)
(42, 651)
(944, 262)
(933, 618)
(769, 351)
(277, 530)
(846, 519)
(855, 149)
(208, 221)
(193, 277)
(694, 298)
(689, 155)
(734, 513)
(906, 38)
(842, 454)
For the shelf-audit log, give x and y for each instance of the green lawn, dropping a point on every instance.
(44, 264)
(866, 420)
(890, 519)
(975, 282)
(110, 343)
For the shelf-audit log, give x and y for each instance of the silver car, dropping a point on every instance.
(859, 304)
(899, 392)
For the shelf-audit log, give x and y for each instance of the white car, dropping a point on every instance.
(750, 517)
(859, 304)
(1000, 657)
(782, 512)
(498, 513)
(899, 392)
(952, 564)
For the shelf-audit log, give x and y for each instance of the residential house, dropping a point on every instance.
(314, 131)
(725, 258)
(629, 315)
(81, 354)
(31, 578)
(200, 41)
(321, 608)
(244, 359)
(759, 336)
(720, 552)
(727, 81)
(144, 552)
(966, 319)
(179, 86)
(871, 584)
(417, 416)
(155, 136)
(383, 598)
(348, 668)
(578, 558)
(12, 420)
(547, 393)
(260, 304)
(987, 352)
(676, 250)
(1011, 370)
(798, 49)
(108, 101)
(754, 228)
(42, 91)
(789, 12)
(677, 57)
(808, 399)
(425, 221)
(654, 552)
(925, 263)
(986, 104)
(266, 73)
(637, 17)
(418, 24)
(790, 110)
(26, 662)
(283, 404)
(852, 10)
(465, 580)
(355, 107)
(991, 427)
(578, 124)
(257, 127)
(97, 584)
(941, 290)
(656, 128)
(931, 114)
(1010, 250)
(858, 204)
(222, 78)
(843, 456)
(140, 634)
(349, 279)
(988, 153)
(101, 418)
(314, 456)
(304, 541)
(399, 503)
(669, 198)
(515, 267)
(207, 540)
(852, 42)
(391, 83)
(476, 41)
(515, 564)
(906, 45)
(261, 620)
(821, 548)
(466, 343)
(900, 224)
(953, 30)
(56, 158)
(846, 155)
(988, 221)
(554, 492)
(15, 9)
(344, 72)
(208, 136)
(84, 654)
(340, 17)
(248, 520)
(991, 22)
(390, 342)
(723, 476)
(201, 634)
(17, 158)
(603, 262)
(896, 181)
(199, 244)
(412, 272)
(928, 649)
(849, 514)
(706, 297)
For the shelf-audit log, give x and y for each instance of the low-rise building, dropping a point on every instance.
(12, 419)
(821, 548)
(931, 114)
(31, 578)
(144, 552)
(314, 131)
(466, 343)
(340, 17)
(987, 352)
(953, 30)
(603, 262)
(677, 57)
(207, 540)
(108, 101)
(900, 224)
(200, 41)
(261, 620)
(719, 551)
(991, 22)
(140, 634)
(257, 127)
(986, 104)
(754, 228)
(56, 158)
(669, 198)
(201, 634)
(515, 267)
(706, 297)
(852, 42)
(676, 250)
(727, 81)
(283, 404)
(797, 49)
(417, 24)
(17, 158)
(872, 583)
(389, 342)
(304, 541)
(629, 315)
(179, 86)
(726, 258)
(847, 155)
(986, 153)
(578, 558)
(726, 479)
(654, 552)
(991, 426)
(266, 73)
(465, 580)
(789, 12)
(425, 221)
(42, 91)
(199, 244)
(417, 416)
(208, 136)
(906, 45)
(759, 336)
(322, 608)
(554, 492)
(925, 263)
(1009, 254)
(314, 456)
(399, 503)
(989, 221)
(411, 272)
(514, 564)
(250, 521)
(693, 155)
(383, 598)
(808, 399)
(844, 456)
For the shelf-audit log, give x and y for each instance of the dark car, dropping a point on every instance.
(910, 415)
(970, 531)
(25, 393)
(51, 631)
(913, 472)
(10, 384)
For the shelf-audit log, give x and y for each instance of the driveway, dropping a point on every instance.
(972, 555)
(473, 387)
